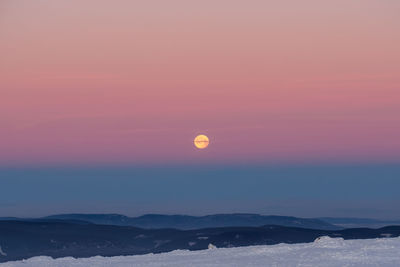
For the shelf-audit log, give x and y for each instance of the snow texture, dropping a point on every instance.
(325, 251)
(2, 253)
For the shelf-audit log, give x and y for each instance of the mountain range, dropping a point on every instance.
(185, 222)
(359, 222)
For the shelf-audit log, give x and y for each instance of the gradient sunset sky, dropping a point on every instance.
(131, 83)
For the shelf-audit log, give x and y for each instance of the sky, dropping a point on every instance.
(90, 85)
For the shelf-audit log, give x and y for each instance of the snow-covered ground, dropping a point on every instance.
(324, 251)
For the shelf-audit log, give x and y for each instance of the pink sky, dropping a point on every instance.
(135, 81)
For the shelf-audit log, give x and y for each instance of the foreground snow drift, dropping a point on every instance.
(324, 251)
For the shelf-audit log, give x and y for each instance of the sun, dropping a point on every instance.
(201, 141)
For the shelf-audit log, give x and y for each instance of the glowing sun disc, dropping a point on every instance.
(201, 141)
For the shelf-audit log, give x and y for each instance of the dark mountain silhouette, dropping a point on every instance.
(184, 222)
(75, 221)
(24, 239)
(359, 222)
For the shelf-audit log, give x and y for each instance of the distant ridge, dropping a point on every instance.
(359, 222)
(185, 222)
(44, 219)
